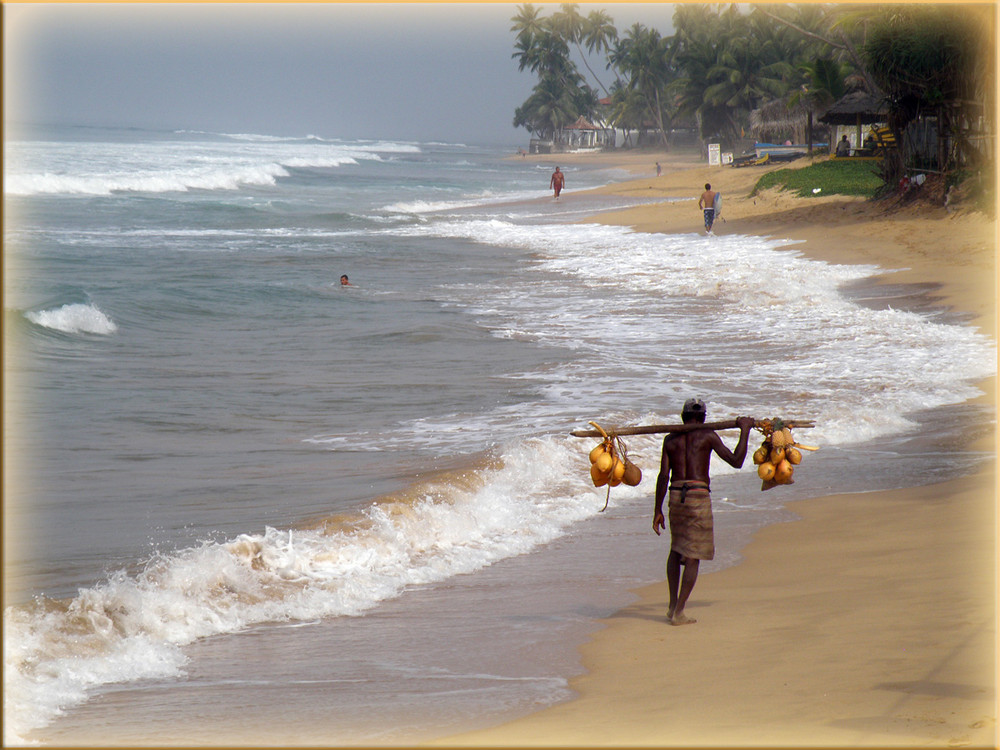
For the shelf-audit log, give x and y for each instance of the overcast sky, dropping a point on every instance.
(352, 70)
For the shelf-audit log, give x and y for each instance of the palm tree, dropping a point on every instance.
(628, 109)
(549, 108)
(643, 54)
(599, 33)
(825, 84)
(546, 54)
(694, 49)
(748, 73)
(527, 23)
(930, 60)
(573, 27)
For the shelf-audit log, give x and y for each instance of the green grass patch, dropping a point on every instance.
(834, 177)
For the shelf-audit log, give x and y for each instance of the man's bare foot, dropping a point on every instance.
(682, 619)
(670, 614)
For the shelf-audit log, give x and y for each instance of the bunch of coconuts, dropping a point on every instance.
(609, 464)
(778, 455)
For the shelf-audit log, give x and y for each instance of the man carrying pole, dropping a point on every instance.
(684, 468)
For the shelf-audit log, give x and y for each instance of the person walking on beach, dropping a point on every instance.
(684, 472)
(707, 203)
(558, 182)
(659, 169)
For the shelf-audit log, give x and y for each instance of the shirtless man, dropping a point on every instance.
(707, 203)
(684, 471)
(557, 182)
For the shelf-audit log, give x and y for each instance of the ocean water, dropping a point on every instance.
(243, 500)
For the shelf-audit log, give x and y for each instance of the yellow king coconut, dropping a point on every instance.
(604, 463)
(596, 453)
(783, 473)
(600, 478)
(617, 473)
(777, 455)
(793, 456)
(760, 455)
(766, 471)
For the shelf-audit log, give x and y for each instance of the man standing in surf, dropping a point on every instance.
(684, 472)
(557, 182)
(707, 203)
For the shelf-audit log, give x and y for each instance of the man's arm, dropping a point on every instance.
(737, 457)
(662, 483)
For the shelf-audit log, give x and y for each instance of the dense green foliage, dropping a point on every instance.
(834, 177)
(722, 64)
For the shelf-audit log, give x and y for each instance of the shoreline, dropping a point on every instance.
(871, 620)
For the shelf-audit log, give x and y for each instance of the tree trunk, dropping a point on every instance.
(659, 123)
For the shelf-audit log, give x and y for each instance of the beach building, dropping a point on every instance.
(582, 135)
(849, 114)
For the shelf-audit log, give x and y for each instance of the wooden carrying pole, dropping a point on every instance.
(654, 428)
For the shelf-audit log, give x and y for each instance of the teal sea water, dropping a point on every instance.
(355, 514)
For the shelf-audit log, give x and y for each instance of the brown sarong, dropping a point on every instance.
(691, 526)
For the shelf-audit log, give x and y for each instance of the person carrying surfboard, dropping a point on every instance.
(684, 473)
(708, 202)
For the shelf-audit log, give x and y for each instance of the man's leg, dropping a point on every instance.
(673, 582)
(687, 584)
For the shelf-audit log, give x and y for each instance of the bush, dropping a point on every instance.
(835, 177)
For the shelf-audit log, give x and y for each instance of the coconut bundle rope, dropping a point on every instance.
(620, 469)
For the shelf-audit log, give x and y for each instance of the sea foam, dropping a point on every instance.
(105, 169)
(74, 318)
(134, 626)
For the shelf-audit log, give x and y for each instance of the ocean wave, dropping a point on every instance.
(149, 182)
(388, 146)
(133, 627)
(776, 330)
(487, 197)
(74, 318)
(107, 168)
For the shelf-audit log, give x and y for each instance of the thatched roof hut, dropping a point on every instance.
(776, 120)
(857, 108)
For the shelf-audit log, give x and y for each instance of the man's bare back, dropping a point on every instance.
(684, 467)
(690, 453)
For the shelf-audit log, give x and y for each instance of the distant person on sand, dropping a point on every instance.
(659, 169)
(558, 182)
(684, 471)
(707, 203)
(344, 281)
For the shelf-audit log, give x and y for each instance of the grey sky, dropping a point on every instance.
(362, 70)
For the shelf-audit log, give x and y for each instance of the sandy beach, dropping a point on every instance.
(869, 622)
